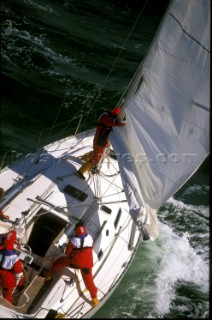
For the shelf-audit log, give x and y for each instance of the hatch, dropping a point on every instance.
(75, 193)
(46, 228)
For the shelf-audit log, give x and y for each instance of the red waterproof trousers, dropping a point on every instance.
(8, 280)
(97, 154)
(85, 272)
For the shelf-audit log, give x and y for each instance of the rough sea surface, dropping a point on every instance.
(63, 59)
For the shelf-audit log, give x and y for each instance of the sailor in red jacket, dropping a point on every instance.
(106, 121)
(11, 268)
(79, 255)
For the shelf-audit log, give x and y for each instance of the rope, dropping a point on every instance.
(133, 27)
(107, 77)
(116, 59)
(2, 163)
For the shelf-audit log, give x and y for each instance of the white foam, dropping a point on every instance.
(181, 205)
(179, 262)
(199, 189)
(41, 7)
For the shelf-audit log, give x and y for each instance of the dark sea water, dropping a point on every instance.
(63, 59)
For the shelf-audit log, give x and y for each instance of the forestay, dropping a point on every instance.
(167, 112)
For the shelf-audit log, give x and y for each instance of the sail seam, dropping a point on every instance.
(188, 33)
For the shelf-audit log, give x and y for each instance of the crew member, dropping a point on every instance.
(11, 268)
(106, 121)
(79, 255)
(3, 216)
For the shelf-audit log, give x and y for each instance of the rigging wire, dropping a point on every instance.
(116, 59)
(107, 77)
(2, 162)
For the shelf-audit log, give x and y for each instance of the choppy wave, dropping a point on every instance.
(179, 265)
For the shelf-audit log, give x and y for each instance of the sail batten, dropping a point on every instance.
(167, 133)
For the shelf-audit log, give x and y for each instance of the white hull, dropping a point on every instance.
(44, 214)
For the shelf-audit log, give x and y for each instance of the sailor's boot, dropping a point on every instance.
(46, 273)
(87, 156)
(84, 168)
(94, 302)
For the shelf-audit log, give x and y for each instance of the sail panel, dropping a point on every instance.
(167, 133)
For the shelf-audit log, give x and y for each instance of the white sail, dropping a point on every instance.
(167, 112)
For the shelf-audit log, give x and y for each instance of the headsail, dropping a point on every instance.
(167, 112)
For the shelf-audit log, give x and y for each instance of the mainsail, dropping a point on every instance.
(167, 113)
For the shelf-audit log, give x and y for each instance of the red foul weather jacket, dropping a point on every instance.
(104, 126)
(11, 274)
(80, 250)
(11, 268)
(8, 277)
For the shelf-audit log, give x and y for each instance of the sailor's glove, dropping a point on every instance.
(121, 123)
